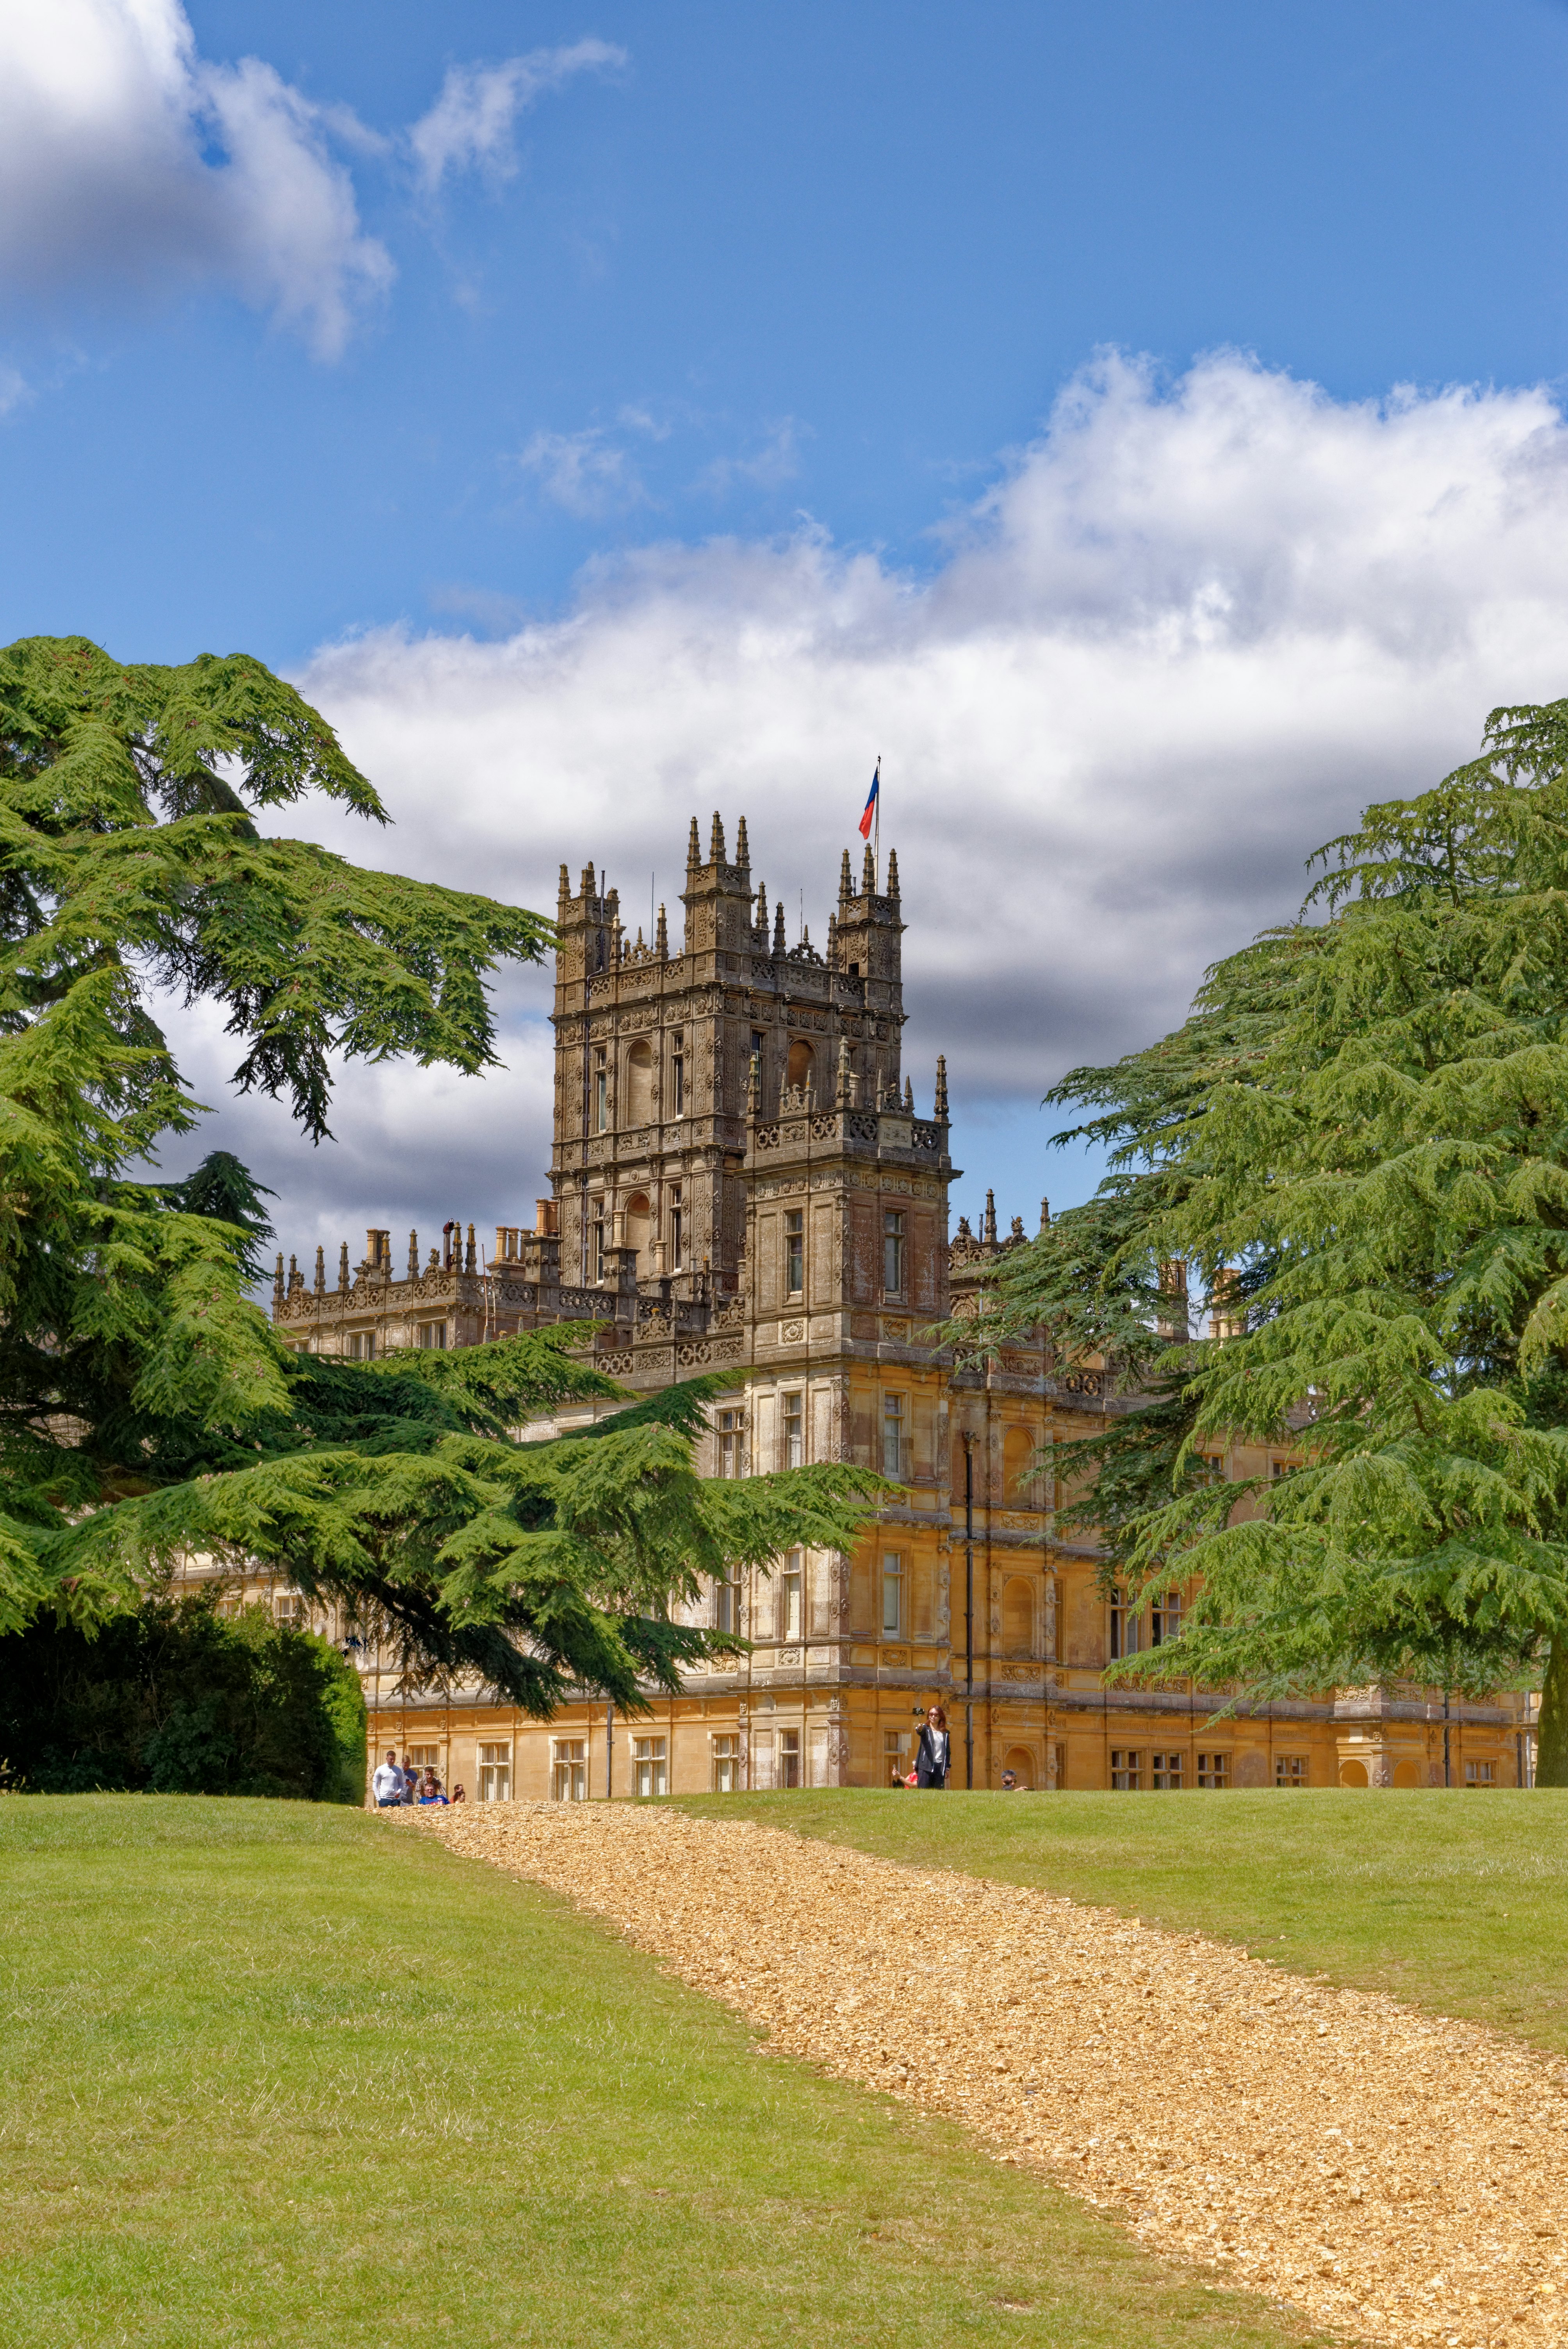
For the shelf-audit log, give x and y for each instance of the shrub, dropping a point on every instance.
(173, 1699)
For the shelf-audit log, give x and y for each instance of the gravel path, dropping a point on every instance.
(1399, 2177)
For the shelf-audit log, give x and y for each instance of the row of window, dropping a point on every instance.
(638, 1225)
(638, 1212)
(791, 1587)
(1132, 1770)
(731, 1435)
(795, 1252)
(359, 1346)
(639, 1085)
(1130, 1634)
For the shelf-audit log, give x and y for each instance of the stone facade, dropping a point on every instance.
(739, 1176)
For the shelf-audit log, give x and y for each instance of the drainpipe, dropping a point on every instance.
(969, 1610)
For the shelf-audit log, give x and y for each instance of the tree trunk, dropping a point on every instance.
(1551, 1751)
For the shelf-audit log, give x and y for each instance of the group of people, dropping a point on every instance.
(396, 1783)
(933, 1756)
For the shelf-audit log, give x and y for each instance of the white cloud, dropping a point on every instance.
(470, 126)
(108, 119)
(1186, 636)
(584, 472)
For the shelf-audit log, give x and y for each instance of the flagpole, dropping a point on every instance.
(876, 844)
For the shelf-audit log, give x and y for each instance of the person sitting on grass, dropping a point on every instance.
(430, 1789)
(387, 1786)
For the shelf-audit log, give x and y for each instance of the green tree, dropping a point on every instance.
(169, 1699)
(1365, 1119)
(147, 1408)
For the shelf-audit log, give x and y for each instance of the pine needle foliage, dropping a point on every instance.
(1367, 1116)
(147, 1410)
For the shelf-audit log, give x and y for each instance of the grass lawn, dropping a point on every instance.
(273, 2074)
(1453, 1901)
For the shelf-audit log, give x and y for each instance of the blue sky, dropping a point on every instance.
(712, 325)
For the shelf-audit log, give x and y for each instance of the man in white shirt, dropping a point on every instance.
(387, 1786)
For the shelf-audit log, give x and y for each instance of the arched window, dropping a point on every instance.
(639, 1107)
(1017, 1618)
(801, 1058)
(638, 1229)
(1021, 1485)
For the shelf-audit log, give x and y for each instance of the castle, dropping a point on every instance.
(739, 1179)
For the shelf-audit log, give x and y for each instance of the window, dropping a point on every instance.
(795, 1252)
(726, 1607)
(290, 1607)
(1290, 1770)
(600, 1092)
(726, 1765)
(1165, 1773)
(1481, 1773)
(895, 1745)
(1278, 1468)
(677, 1229)
(1213, 1769)
(1165, 1619)
(1126, 1770)
(569, 1774)
(791, 1592)
(731, 1441)
(794, 1431)
(360, 1345)
(1123, 1626)
(677, 1078)
(433, 1335)
(789, 1757)
(892, 1253)
(892, 1592)
(425, 1757)
(1210, 1467)
(495, 1773)
(229, 1609)
(1061, 1767)
(893, 1459)
(649, 1769)
(598, 1240)
(637, 1100)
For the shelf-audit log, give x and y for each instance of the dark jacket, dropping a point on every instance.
(926, 1773)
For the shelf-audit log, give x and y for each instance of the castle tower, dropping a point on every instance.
(656, 1054)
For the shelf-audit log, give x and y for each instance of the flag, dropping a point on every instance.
(872, 804)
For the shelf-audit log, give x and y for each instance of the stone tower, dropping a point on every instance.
(661, 1056)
